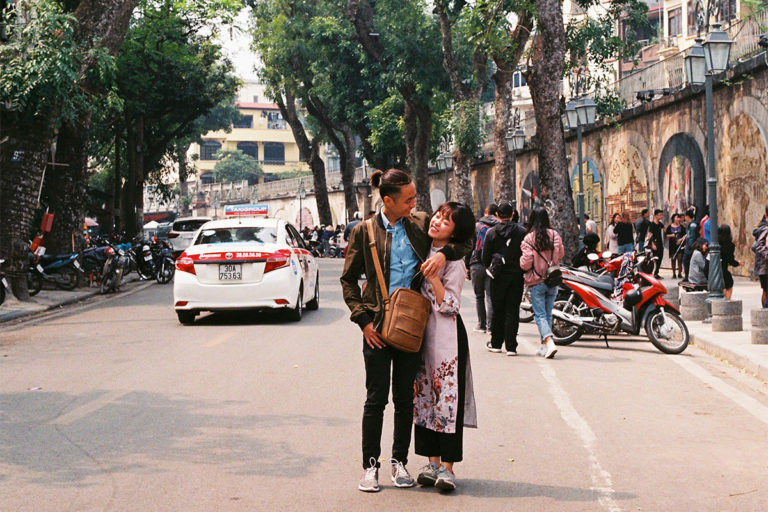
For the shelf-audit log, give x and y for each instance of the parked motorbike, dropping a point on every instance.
(141, 258)
(115, 268)
(3, 283)
(602, 305)
(59, 269)
(162, 254)
(93, 259)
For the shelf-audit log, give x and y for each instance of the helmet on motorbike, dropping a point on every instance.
(633, 298)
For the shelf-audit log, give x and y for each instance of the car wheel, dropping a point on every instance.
(294, 315)
(314, 304)
(186, 317)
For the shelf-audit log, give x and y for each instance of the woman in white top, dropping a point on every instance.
(611, 237)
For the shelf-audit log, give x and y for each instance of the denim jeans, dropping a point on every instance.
(543, 302)
(626, 248)
(481, 285)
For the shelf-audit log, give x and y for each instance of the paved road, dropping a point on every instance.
(115, 406)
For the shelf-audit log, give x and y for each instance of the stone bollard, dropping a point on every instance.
(673, 295)
(726, 315)
(759, 319)
(693, 306)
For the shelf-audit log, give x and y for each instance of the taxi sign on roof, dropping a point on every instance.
(246, 209)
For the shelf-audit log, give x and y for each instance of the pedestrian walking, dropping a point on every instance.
(502, 244)
(760, 248)
(656, 239)
(641, 229)
(481, 281)
(611, 237)
(727, 257)
(674, 234)
(623, 230)
(444, 401)
(542, 247)
(690, 239)
(402, 244)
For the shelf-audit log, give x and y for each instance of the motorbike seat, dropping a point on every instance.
(603, 283)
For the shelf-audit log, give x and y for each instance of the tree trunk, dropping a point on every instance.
(128, 220)
(501, 123)
(548, 61)
(117, 215)
(68, 184)
(22, 162)
(181, 159)
(348, 174)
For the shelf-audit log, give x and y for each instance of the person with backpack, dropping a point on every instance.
(760, 248)
(501, 255)
(481, 282)
(542, 250)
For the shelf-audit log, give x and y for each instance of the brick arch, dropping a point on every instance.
(755, 109)
(683, 144)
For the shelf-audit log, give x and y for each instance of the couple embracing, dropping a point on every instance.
(431, 389)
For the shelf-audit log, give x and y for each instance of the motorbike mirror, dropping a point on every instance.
(607, 254)
(592, 257)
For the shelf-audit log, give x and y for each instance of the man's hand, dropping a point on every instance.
(372, 337)
(432, 266)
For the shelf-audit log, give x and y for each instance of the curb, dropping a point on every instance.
(15, 315)
(733, 355)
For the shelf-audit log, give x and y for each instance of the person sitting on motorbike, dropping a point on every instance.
(699, 265)
(590, 247)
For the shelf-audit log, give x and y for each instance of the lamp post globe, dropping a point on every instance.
(586, 109)
(571, 115)
(515, 140)
(695, 64)
(717, 49)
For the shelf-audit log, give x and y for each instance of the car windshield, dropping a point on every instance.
(188, 225)
(256, 235)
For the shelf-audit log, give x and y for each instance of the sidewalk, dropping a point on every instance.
(734, 347)
(49, 299)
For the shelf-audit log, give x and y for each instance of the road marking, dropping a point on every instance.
(752, 406)
(87, 408)
(218, 340)
(601, 479)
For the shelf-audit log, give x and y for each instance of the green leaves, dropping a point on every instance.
(236, 166)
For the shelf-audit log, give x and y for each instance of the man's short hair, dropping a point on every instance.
(644, 211)
(657, 211)
(586, 216)
(493, 209)
(506, 210)
(690, 213)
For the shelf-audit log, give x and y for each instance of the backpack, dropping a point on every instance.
(480, 239)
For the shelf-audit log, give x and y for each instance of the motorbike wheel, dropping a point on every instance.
(34, 282)
(165, 272)
(66, 278)
(526, 315)
(106, 283)
(671, 337)
(564, 333)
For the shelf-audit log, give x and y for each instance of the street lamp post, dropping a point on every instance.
(578, 113)
(301, 194)
(445, 160)
(702, 63)
(515, 141)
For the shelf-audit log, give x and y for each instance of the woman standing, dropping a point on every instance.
(611, 236)
(674, 234)
(443, 395)
(542, 248)
(623, 230)
(727, 257)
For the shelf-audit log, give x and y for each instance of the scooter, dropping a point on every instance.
(635, 301)
(114, 268)
(162, 255)
(60, 269)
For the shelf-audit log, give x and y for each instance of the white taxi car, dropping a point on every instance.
(245, 263)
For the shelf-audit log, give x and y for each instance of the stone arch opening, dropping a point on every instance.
(682, 176)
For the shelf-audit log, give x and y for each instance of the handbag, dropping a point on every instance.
(406, 311)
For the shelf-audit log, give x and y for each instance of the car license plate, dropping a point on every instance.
(231, 272)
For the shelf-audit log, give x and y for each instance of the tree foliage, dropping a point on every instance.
(236, 166)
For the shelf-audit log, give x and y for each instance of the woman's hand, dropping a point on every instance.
(372, 337)
(432, 266)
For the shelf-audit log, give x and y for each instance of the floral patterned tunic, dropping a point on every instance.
(436, 389)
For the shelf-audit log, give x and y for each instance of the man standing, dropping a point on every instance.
(590, 226)
(502, 243)
(402, 242)
(481, 282)
(656, 231)
(641, 229)
(760, 248)
(691, 234)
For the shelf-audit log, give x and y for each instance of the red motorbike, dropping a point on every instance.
(600, 304)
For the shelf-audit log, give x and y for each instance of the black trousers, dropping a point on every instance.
(449, 447)
(659, 253)
(481, 287)
(403, 366)
(687, 263)
(506, 295)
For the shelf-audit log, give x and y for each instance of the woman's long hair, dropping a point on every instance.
(462, 217)
(724, 234)
(538, 223)
(390, 182)
(613, 219)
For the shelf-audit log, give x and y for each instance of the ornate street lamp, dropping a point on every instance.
(586, 109)
(696, 64)
(515, 141)
(717, 50)
(445, 159)
(578, 113)
(571, 115)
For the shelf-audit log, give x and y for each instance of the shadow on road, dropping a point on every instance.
(140, 433)
(323, 316)
(504, 489)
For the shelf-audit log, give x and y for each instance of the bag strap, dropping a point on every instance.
(376, 262)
